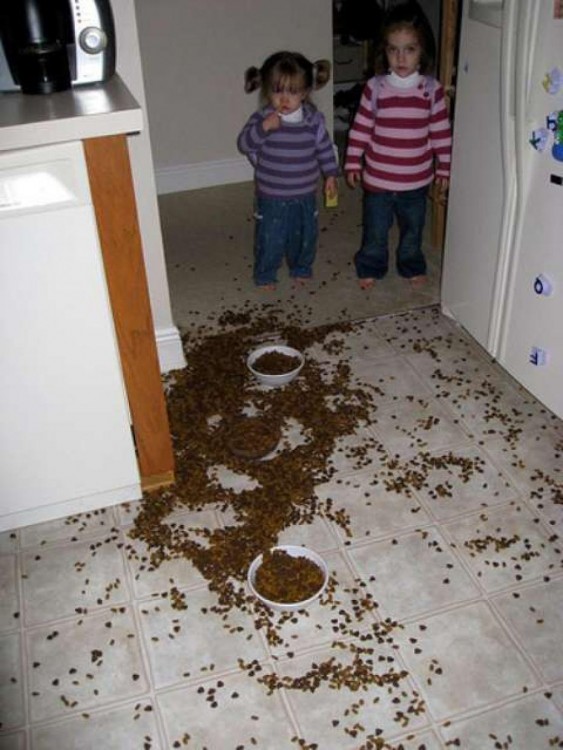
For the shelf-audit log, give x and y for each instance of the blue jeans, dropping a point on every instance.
(285, 228)
(372, 259)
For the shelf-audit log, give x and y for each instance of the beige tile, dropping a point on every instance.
(505, 546)
(333, 714)
(77, 527)
(370, 508)
(233, 709)
(405, 330)
(9, 541)
(535, 614)
(392, 379)
(316, 535)
(490, 407)
(361, 341)
(179, 572)
(415, 425)
(13, 741)
(535, 463)
(556, 694)
(531, 722)
(126, 513)
(190, 643)
(9, 600)
(77, 665)
(357, 451)
(93, 573)
(12, 706)
(463, 660)
(462, 480)
(413, 574)
(130, 726)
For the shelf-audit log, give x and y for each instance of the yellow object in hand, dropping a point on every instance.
(331, 201)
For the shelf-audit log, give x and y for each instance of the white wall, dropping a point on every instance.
(194, 54)
(129, 68)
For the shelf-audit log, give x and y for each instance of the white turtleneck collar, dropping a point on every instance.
(296, 116)
(403, 83)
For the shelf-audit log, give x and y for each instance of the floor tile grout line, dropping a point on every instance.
(23, 650)
(492, 707)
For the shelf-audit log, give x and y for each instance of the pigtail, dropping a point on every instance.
(252, 79)
(321, 73)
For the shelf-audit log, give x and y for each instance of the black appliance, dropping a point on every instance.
(51, 45)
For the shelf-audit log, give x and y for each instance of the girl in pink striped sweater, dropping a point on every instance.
(399, 142)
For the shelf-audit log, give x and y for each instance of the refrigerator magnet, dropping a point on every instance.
(553, 81)
(539, 139)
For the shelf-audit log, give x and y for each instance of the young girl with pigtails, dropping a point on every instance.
(289, 147)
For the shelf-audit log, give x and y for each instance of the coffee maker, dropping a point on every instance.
(50, 45)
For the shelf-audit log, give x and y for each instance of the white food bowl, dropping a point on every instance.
(275, 380)
(294, 551)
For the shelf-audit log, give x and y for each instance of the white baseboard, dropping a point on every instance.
(170, 350)
(202, 174)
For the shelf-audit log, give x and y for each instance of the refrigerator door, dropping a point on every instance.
(531, 335)
(475, 205)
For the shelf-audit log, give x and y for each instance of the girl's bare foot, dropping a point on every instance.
(266, 287)
(417, 281)
(300, 281)
(366, 283)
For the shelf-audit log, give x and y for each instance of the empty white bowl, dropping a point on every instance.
(294, 551)
(274, 380)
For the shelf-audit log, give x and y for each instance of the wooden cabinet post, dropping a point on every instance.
(116, 215)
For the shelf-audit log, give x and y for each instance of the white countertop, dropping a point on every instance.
(91, 111)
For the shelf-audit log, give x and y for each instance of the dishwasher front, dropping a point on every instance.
(66, 444)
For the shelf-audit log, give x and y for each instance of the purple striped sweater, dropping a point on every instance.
(288, 161)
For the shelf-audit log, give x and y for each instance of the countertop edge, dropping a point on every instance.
(83, 112)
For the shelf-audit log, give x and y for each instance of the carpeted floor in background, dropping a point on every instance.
(208, 241)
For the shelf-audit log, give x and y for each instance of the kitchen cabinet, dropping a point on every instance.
(97, 280)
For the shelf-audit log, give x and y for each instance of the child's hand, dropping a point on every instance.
(331, 188)
(442, 184)
(271, 122)
(352, 178)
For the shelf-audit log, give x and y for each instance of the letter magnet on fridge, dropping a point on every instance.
(539, 139)
(538, 356)
(552, 81)
(543, 286)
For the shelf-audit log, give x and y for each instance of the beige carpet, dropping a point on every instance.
(208, 240)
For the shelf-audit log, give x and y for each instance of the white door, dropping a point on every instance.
(476, 192)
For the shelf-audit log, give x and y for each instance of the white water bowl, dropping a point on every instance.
(294, 551)
(275, 381)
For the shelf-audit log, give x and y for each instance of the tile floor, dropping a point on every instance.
(454, 513)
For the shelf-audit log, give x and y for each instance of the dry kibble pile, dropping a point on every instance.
(275, 363)
(286, 579)
(216, 392)
(205, 399)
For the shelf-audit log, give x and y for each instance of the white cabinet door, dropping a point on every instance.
(476, 190)
(65, 438)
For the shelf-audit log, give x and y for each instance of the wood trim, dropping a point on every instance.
(114, 201)
(448, 50)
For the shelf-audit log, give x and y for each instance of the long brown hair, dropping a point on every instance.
(410, 16)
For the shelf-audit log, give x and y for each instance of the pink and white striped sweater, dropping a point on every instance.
(396, 146)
